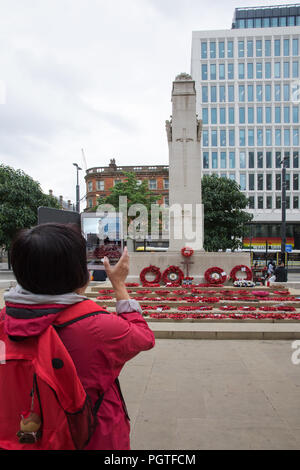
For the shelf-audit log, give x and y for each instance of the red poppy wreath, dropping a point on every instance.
(172, 276)
(215, 275)
(150, 269)
(241, 268)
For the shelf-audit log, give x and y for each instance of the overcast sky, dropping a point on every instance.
(97, 75)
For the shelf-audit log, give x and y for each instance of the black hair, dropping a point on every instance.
(50, 259)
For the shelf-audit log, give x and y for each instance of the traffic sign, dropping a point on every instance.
(288, 248)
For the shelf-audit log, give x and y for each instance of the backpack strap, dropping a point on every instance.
(77, 312)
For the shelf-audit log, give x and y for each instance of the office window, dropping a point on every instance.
(277, 47)
(231, 115)
(265, 22)
(274, 22)
(288, 181)
(205, 160)
(287, 159)
(222, 116)
(277, 70)
(286, 114)
(277, 114)
(223, 138)
(230, 49)
(204, 71)
(205, 138)
(222, 96)
(286, 137)
(230, 93)
(286, 92)
(251, 202)
(278, 137)
(214, 160)
(295, 137)
(268, 70)
(260, 202)
(249, 70)
(295, 47)
(205, 115)
(222, 72)
(213, 113)
(231, 160)
(152, 184)
(212, 49)
(258, 92)
(269, 202)
(260, 160)
(278, 202)
(296, 202)
(241, 48)
(286, 47)
(241, 93)
(242, 115)
(242, 138)
(257, 23)
(259, 119)
(243, 182)
(223, 160)
(282, 21)
(230, 71)
(242, 160)
(278, 160)
(296, 159)
(251, 182)
(213, 71)
(296, 182)
(250, 137)
(258, 48)
(291, 20)
(268, 137)
(258, 69)
(221, 49)
(251, 160)
(268, 159)
(231, 138)
(295, 69)
(277, 93)
(295, 110)
(250, 48)
(250, 93)
(241, 69)
(203, 50)
(250, 115)
(260, 182)
(204, 94)
(213, 94)
(278, 182)
(269, 181)
(268, 114)
(214, 138)
(267, 48)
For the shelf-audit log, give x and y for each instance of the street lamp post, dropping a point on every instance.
(77, 188)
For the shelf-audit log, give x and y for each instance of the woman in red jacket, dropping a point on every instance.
(49, 262)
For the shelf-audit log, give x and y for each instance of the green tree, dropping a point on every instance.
(20, 197)
(224, 216)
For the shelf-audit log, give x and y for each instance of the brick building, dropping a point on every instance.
(100, 180)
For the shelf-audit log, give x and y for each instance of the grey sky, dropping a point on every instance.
(94, 74)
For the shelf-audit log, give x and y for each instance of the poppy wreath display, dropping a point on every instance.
(187, 252)
(150, 269)
(215, 275)
(243, 268)
(173, 276)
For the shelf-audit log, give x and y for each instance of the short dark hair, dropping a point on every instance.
(50, 259)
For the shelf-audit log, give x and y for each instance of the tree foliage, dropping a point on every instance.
(224, 216)
(20, 197)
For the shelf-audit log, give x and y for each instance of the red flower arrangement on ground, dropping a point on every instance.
(150, 269)
(215, 275)
(132, 284)
(172, 276)
(241, 268)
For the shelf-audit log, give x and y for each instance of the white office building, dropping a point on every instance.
(248, 96)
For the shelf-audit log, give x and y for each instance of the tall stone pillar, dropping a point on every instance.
(184, 136)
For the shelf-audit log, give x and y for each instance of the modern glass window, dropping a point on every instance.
(274, 22)
(204, 71)
(296, 159)
(257, 23)
(204, 94)
(205, 160)
(268, 137)
(278, 202)
(221, 71)
(249, 70)
(223, 160)
(203, 50)
(242, 115)
(251, 160)
(286, 114)
(260, 182)
(251, 182)
(258, 92)
(269, 202)
(231, 160)
(268, 159)
(296, 202)
(213, 113)
(222, 116)
(251, 202)
(278, 160)
(249, 48)
(288, 181)
(242, 160)
(223, 138)
(230, 71)
(205, 115)
(277, 137)
(286, 70)
(295, 114)
(241, 51)
(258, 69)
(250, 115)
(278, 182)
(222, 95)
(295, 47)
(221, 49)
(267, 48)
(277, 47)
(286, 47)
(214, 138)
(212, 49)
(259, 118)
(205, 138)
(260, 202)
(213, 71)
(277, 92)
(241, 93)
(268, 70)
(290, 20)
(213, 94)
(250, 137)
(242, 138)
(260, 160)
(214, 161)
(231, 115)
(258, 48)
(286, 92)
(250, 93)
(286, 136)
(287, 159)
(295, 69)
(230, 93)
(260, 137)
(241, 69)
(295, 181)
(243, 182)
(230, 49)
(277, 70)
(277, 114)
(268, 114)
(282, 21)
(295, 137)
(265, 22)
(231, 138)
